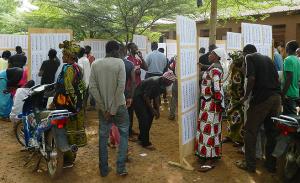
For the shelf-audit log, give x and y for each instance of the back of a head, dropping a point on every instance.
(52, 54)
(249, 49)
(212, 47)
(162, 50)
(112, 48)
(88, 49)
(17, 60)
(14, 75)
(202, 50)
(154, 46)
(6, 54)
(19, 50)
(291, 47)
(81, 52)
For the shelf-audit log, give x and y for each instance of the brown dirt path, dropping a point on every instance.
(152, 168)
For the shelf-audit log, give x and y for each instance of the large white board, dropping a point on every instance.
(171, 48)
(10, 41)
(41, 41)
(98, 47)
(204, 43)
(234, 41)
(187, 79)
(258, 35)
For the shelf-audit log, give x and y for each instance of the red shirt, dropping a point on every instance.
(137, 68)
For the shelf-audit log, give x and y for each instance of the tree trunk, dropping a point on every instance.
(213, 22)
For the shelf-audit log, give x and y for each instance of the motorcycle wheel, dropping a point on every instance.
(19, 132)
(56, 157)
(291, 167)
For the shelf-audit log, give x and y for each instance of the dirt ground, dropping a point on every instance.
(152, 168)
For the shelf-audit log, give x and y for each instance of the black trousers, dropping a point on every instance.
(289, 106)
(256, 116)
(145, 118)
(130, 113)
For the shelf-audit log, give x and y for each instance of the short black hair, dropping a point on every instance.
(291, 47)
(52, 53)
(202, 50)
(19, 49)
(81, 52)
(212, 47)
(88, 49)
(6, 54)
(29, 84)
(112, 46)
(249, 49)
(154, 46)
(162, 50)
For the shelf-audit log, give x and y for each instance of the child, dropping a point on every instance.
(21, 93)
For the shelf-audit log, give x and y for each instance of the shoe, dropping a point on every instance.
(242, 165)
(105, 174)
(123, 173)
(172, 118)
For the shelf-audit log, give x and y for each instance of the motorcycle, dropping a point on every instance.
(42, 131)
(288, 144)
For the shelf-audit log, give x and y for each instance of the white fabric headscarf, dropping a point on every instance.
(223, 60)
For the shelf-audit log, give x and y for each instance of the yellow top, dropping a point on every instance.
(3, 64)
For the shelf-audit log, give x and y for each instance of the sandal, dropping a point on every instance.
(150, 147)
(206, 168)
(242, 165)
(226, 140)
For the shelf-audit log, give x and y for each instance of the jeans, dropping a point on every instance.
(145, 118)
(256, 116)
(121, 120)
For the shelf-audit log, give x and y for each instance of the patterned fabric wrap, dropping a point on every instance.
(235, 90)
(69, 95)
(208, 137)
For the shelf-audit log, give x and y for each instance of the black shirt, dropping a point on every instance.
(151, 87)
(266, 77)
(128, 68)
(49, 68)
(17, 60)
(204, 60)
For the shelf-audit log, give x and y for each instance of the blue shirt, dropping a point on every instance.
(278, 61)
(6, 100)
(157, 62)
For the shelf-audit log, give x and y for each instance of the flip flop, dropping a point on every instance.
(150, 147)
(206, 168)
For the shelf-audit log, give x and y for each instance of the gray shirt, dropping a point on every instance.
(156, 62)
(107, 83)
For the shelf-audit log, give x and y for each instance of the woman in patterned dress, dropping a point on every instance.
(69, 95)
(208, 137)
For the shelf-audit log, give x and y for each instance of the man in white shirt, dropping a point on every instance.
(107, 86)
(85, 65)
(156, 61)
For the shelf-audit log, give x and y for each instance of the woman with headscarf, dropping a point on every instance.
(208, 137)
(69, 95)
(9, 82)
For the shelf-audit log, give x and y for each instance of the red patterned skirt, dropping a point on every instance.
(208, 137)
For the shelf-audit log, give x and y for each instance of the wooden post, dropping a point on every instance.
(213, 22)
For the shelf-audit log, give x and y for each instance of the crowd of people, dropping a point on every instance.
(264, 95)
(114, 86)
